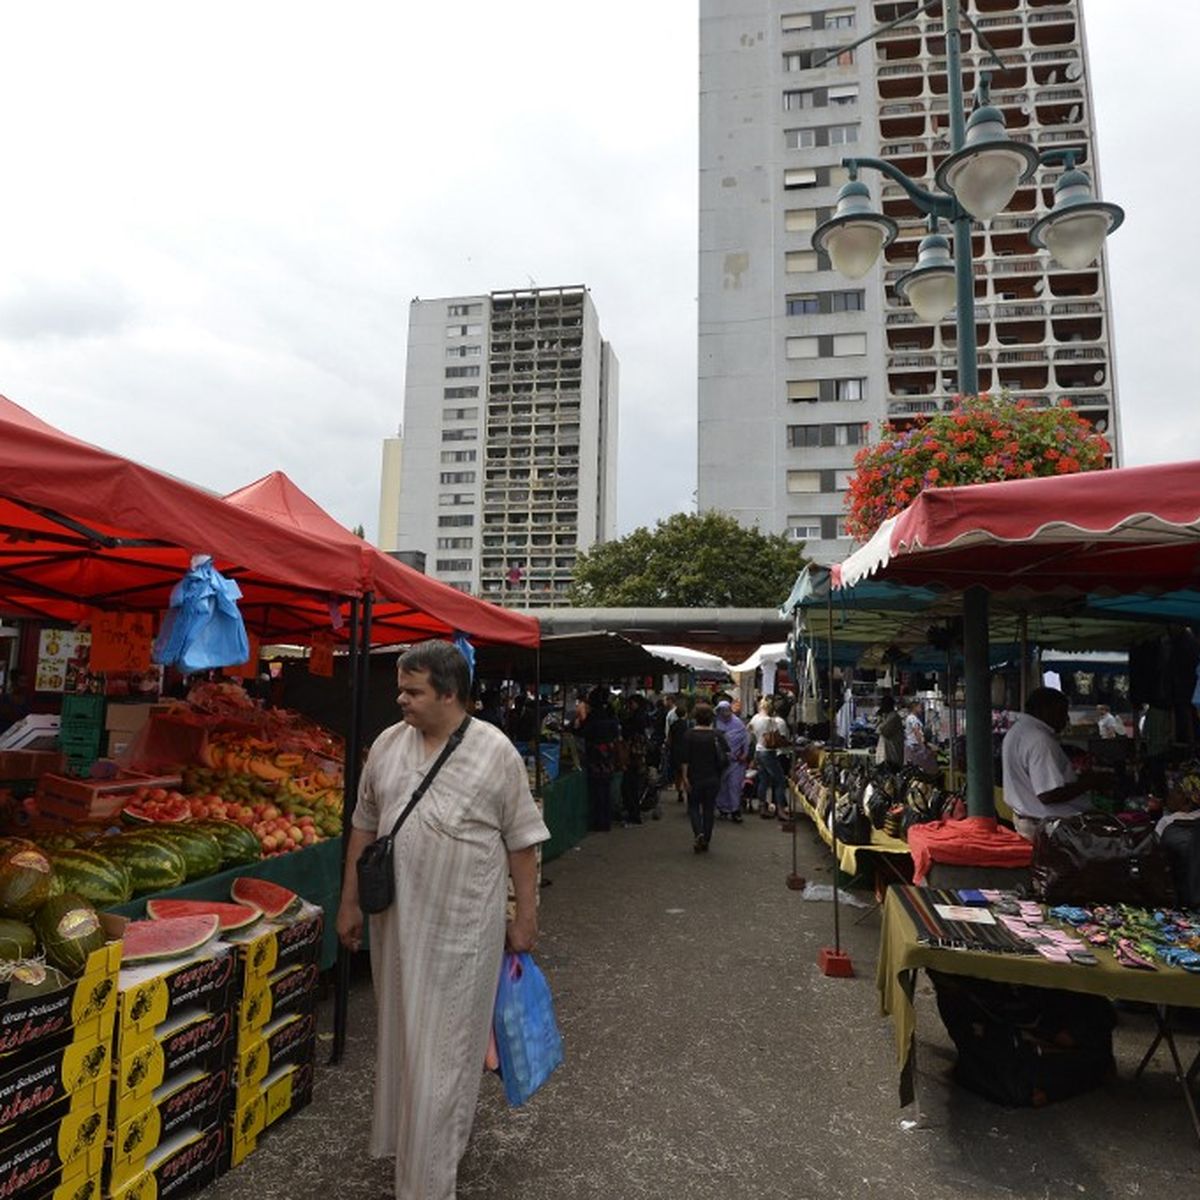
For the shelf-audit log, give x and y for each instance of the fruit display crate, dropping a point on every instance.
(94, 799)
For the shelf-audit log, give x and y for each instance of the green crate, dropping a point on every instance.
(86, 710)
(75, 743)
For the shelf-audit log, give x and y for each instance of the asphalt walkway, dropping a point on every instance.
(707, 1057)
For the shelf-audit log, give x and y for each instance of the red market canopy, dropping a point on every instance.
(82, 528)
(408, 606)
(1133, 529)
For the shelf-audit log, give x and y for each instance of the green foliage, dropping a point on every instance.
(689, 560)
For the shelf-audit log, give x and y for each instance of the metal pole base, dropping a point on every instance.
(788, 826)
(796, 882)
(835, 963)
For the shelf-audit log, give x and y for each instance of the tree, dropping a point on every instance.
(981, 440)
(689, 560)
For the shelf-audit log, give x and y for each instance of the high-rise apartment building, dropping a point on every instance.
(799, 365)
(507, 456)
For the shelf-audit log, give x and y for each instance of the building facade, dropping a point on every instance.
(798, 366)
(507, 456)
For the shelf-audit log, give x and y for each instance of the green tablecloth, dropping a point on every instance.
(565, 811)
(901, 955)
(314, 873)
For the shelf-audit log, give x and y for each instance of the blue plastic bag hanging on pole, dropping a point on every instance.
(203, 627)
(527, 1036)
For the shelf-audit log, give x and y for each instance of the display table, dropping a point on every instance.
(565, 811)
(314, 873)
(901, 955)
(880, 842)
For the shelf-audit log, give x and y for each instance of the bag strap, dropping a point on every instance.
(452, 743)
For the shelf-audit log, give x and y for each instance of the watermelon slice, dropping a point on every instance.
(270, 899)
(146, 941)
(231, 916)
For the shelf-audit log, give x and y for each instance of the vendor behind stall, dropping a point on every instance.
(1039, 781)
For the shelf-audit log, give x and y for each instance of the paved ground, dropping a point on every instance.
(707, 1057)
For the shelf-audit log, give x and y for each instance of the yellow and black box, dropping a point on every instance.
(201, 1041)
(190, 1160)
(283, 1092)
(266, 949)
(40, 1162)
(266, 998)
(291, 1039)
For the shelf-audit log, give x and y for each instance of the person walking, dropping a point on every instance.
(705, 759)
(770, 735)
(729, 798)
(634, 735)
(598, 727)
(677, 728)
(435, 952)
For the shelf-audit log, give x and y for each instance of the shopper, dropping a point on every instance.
(1108, 724)
(677, 728)
(435, 951)
(598, 728)
(729, 798)
(705, 759)
(889, 749)
(770, 735)
(634, 738)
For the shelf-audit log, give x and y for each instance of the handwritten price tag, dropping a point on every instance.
(121, 641)
(320, 658)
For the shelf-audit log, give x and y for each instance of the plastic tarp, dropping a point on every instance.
(772, 652)
(695, 660)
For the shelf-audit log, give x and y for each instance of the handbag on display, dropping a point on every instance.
(1092, 858)
(376, 864)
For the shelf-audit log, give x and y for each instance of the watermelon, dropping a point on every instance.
(152, 866)
(231, 916)
(100, 880)
(270, 899)
(53, 842)
(24, 880)
(69, 930)
(201, 852)
(147, 941)
(238, 844)
(17, 941)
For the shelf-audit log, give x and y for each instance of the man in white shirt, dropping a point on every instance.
(1108, 724)
(1039, 781)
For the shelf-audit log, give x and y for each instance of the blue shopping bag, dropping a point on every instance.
(527, 1036)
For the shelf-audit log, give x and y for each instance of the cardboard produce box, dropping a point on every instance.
(291, 1039)
(60, 1085)
(294, 989)
(283, 1092)
(193, 1040)
(185, 1163)
(150, 993)
(267, 948)
(129, 718)
(65, 1150)
(29, 764)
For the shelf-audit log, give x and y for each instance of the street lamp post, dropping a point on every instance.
(975, 182)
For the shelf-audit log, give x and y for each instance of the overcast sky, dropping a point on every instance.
(214, 217)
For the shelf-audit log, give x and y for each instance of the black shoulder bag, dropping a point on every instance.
(375, 869)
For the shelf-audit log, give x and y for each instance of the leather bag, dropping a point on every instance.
(1092, 858)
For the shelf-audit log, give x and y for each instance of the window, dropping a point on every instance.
(453, 564)
(455, 543)
(803, 389)
(463, 372)
(840, 18)
(803, 436)
(794, 101)
(798, 306)
(804, 529)
(810, 436)
(847, 344)
(847, 301)
(453, 331)
(799, 177)
(841, 480)
(846, 58)
(803, 347)
(794, 62)
(464, 351)
(460, 393)
(464, 310)
(800, 220)
(797, 261)
(843, 94)
(800, 139)
(460, 435)
(849, 389)
(460, 414)
(853, 434)
(454, 456)
(803, 482)
(457, 477)
(842, 135)
(455, 499)
(456, 521)
(795, 22)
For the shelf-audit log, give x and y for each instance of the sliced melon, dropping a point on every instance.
(148, 941)
(230, 916)
(271, 899)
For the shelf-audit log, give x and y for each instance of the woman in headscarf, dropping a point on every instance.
(729, 798)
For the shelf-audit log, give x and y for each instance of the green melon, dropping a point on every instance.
(238, 844)
(153, 866)
(52, 843)
(25, 980)
(69, 931)
(17, 941)
(99, 880)
(201, 851)
(24, 880)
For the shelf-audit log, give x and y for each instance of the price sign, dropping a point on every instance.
(121, 641)
(320, 658)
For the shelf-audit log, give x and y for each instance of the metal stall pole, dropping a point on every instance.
(833, 960)
(359, 664)
(795, 880)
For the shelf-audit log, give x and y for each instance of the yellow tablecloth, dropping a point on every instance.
(880, 843)
(900, 956)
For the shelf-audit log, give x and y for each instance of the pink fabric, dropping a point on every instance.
(971, 842)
